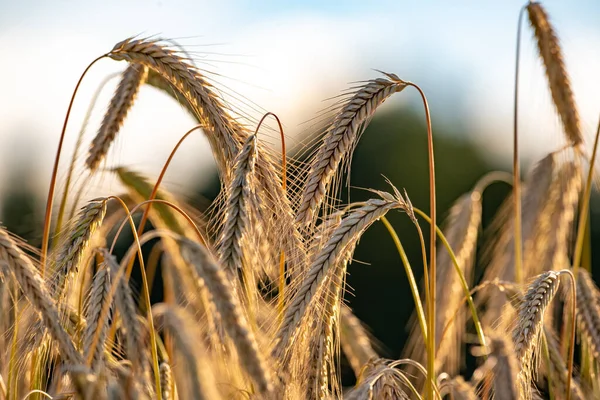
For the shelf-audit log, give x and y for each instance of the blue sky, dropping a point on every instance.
(287, 57)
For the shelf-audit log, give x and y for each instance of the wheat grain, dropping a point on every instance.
(122, 101)
(166, 381)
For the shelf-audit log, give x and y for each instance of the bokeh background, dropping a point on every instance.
(288, 58)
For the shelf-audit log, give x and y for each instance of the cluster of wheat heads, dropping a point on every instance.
(253, 290)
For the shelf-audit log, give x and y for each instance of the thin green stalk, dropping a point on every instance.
(585, 206)
(463, 281)
(432, 237)
(411, 278)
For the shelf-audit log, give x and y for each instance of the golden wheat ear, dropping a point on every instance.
(231, 312)
(556, 72)
(33, 287)
(70, 253)
(131, 80)
(98, 296)
(355, 341)
(588, 313)
(340, 138)
(197, 376)
(529, 324)
(223, 132)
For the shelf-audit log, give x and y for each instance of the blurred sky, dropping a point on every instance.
(287, 57)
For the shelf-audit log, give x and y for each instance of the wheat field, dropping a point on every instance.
(254, 288)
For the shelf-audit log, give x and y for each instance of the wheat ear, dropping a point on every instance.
(99, 295)
(588, 312)
(202, 385)
(530, 321)
(230, 310)
(125, 303)
(224, 134)
(131, 80)
(35, 290)
(459, 389)
(69, 256)
(339, 140)
(355, 341)
(345, 235)
(556, 72)
(237, 219)
(382, 381)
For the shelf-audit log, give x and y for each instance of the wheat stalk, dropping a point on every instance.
(122, 101)
(340, 138)
(556, 72)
